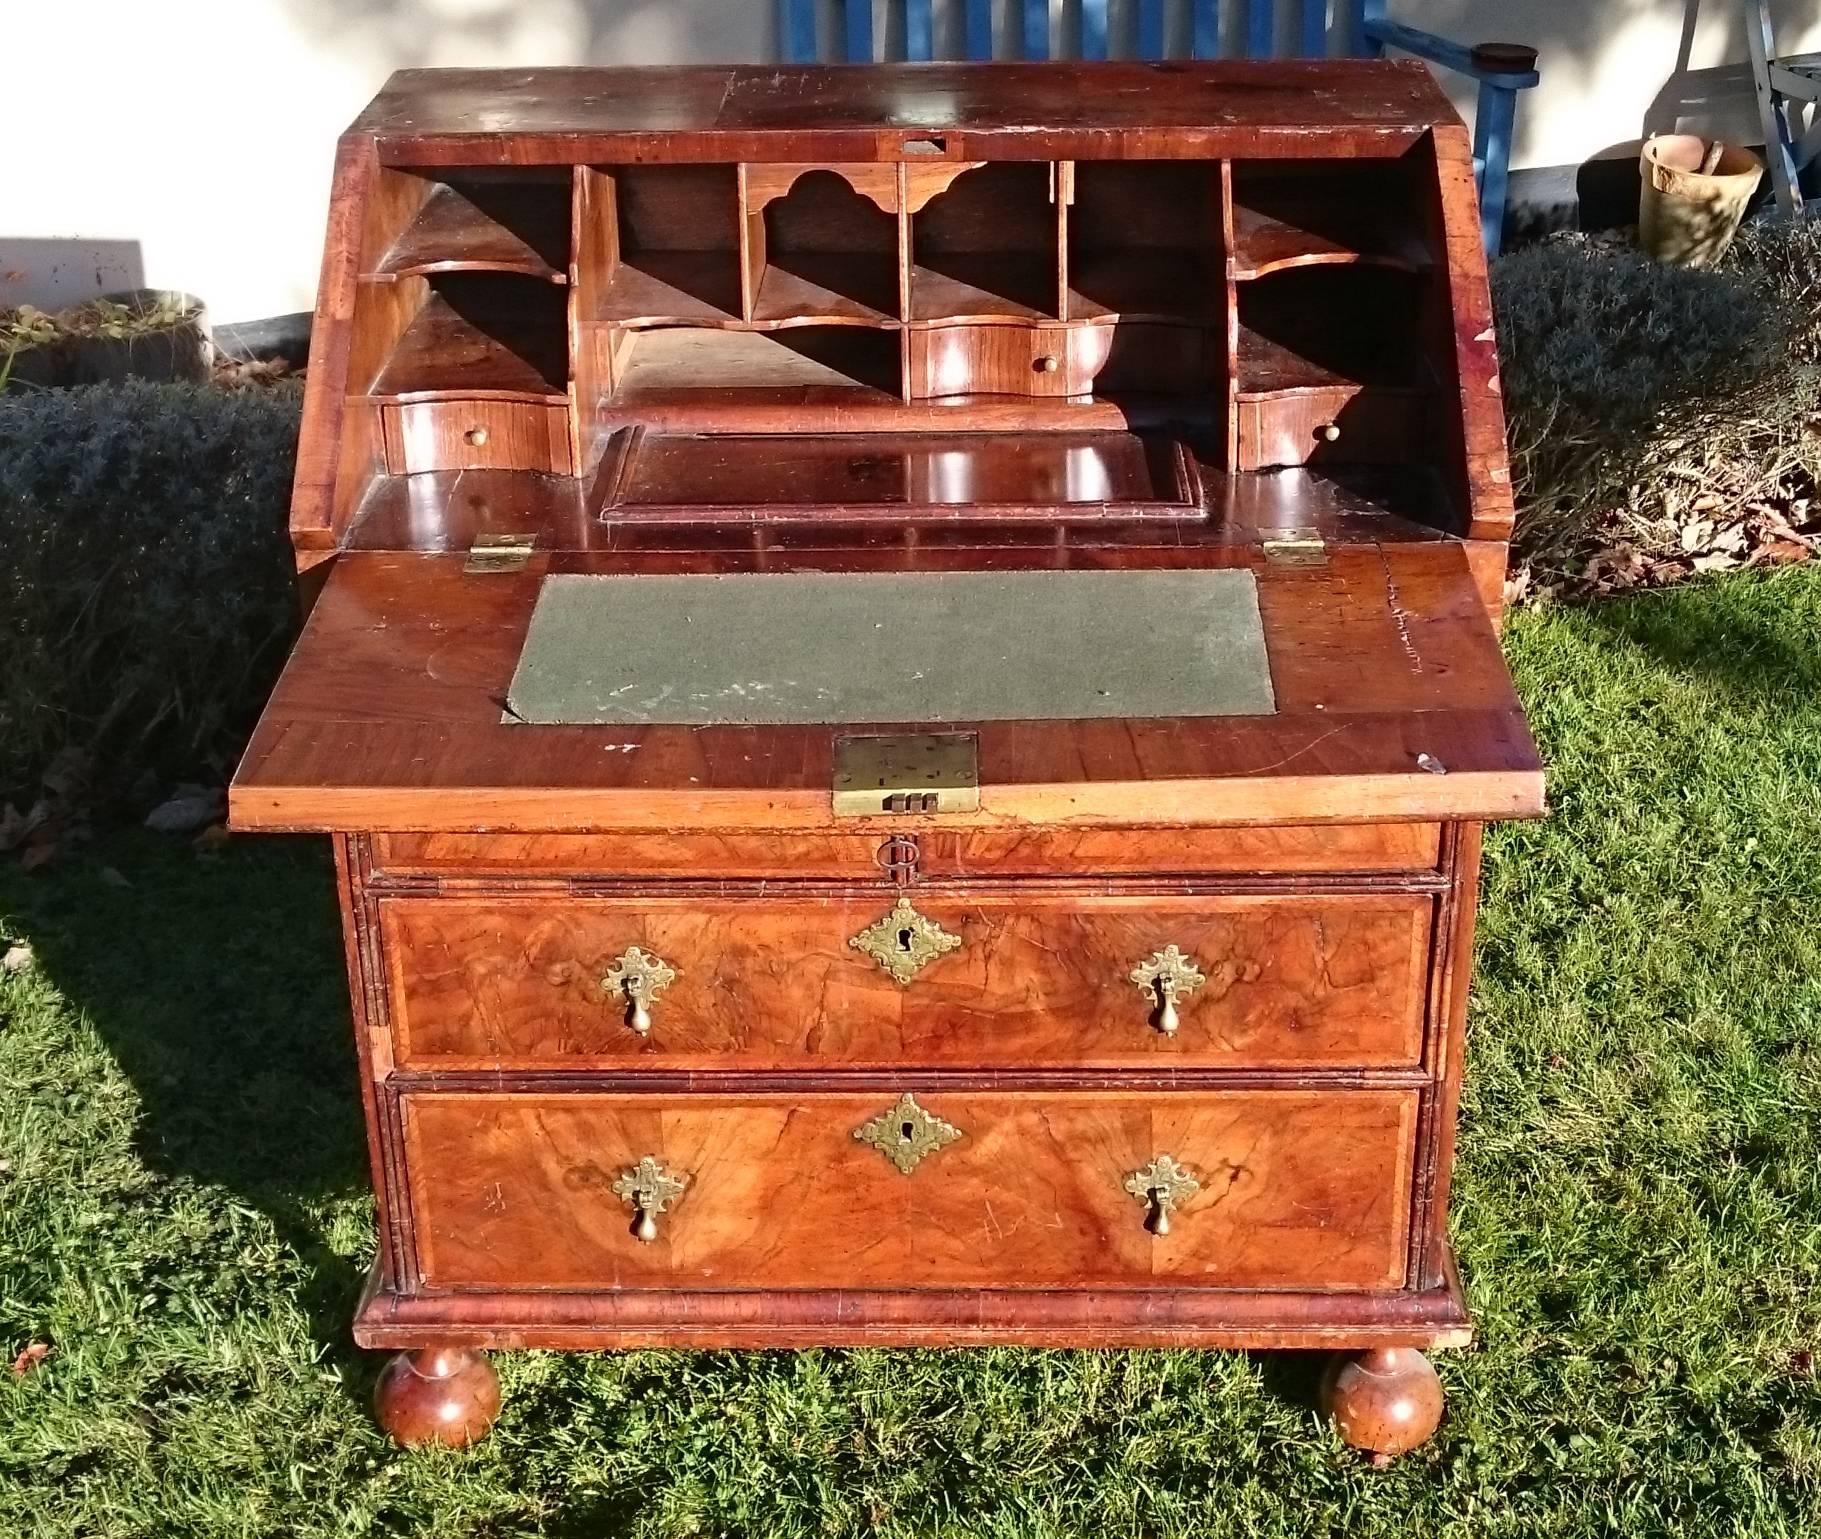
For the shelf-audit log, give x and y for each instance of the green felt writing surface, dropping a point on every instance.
(840, 648)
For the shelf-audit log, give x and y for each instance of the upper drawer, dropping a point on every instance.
(987, 980)
(1291, 1189)
(476, 435)
(1354, 849)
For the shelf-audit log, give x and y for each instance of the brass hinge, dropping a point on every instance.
(1298, 546)
(927, 772)
(499, 553)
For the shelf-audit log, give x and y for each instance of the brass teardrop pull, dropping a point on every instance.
(639, 977)
(1167, 977)
(1162, 1186)
(651, 1189)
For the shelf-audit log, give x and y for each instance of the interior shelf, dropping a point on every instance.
(983, 286)
(1320, 329)
(1289, 215)
(482, 333)
(486, 226)
(689, 364)
(1266, 242)
(1159, 284)
(671, 288)
(836, 288)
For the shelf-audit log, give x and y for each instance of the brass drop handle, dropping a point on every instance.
(1168, 977)
(639, 977)
(1161, 1186)
(475, 437)
(1328, 432)
(1049, 363)
(651, 1189)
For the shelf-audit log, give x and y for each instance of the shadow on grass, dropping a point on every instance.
(1725, 631)
(216, 983)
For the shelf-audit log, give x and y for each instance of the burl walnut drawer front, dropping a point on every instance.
(877, 979)
(1342, 849)
(1238, 1189)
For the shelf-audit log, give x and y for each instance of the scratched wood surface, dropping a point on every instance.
(1297, 1189)
(766, 983)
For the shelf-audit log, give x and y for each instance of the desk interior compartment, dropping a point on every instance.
(993, 477)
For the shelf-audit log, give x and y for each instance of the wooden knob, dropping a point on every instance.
(475, 437)
(1328, 432)
(1048, 364)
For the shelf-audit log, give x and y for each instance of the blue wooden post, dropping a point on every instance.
(1314, 42)
(1204, 29)
(797, 31)
(1093, 29)
(1150, 29)
(1360, 43)
(1036, 29)
(980, 29)
(1261, 16)
(1492, 123)
(858, 30)
(919, 27)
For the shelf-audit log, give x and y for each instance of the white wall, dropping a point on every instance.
(188, 144)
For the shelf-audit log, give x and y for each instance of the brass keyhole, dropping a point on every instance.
(906, 939)
(907, 1131)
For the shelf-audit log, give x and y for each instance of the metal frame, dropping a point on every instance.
(1783, 84)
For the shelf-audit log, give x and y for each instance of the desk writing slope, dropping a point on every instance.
(848, 647)
(902, 668)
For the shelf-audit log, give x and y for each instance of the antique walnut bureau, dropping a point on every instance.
(902, 669)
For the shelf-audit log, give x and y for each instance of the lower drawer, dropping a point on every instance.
(865, 1189)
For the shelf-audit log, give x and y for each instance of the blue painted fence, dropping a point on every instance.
(1359, 28)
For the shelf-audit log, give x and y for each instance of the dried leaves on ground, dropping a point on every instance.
(1663, 421)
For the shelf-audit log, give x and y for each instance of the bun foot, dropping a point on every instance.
(1385, 1401)
(447, 1395)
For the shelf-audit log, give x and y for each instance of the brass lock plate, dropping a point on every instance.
(921, 772)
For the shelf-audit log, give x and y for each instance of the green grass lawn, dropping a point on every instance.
(183, 1217)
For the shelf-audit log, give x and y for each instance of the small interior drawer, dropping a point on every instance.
(878, 978)
(862, 1189)
(995, 360)
(1338, 425)
(1059, 360)
(476, 435)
